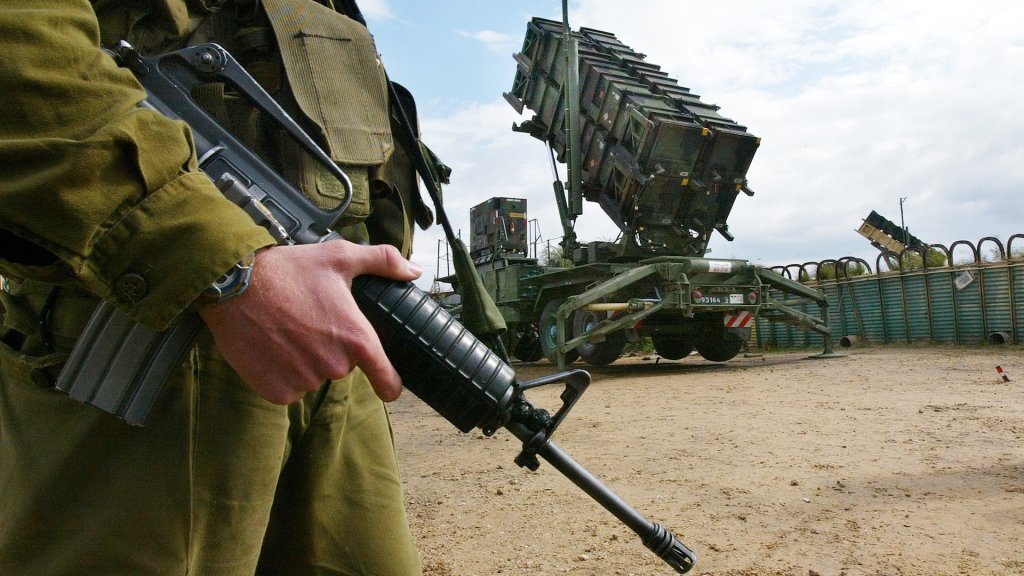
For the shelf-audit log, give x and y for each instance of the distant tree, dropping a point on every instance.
(912, 259)
(828, 271)
(936, 258)
(994, 255)
(856, 269)
(552, 255)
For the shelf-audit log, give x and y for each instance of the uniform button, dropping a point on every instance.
(130, 287)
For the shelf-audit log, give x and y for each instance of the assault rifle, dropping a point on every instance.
(121, 366)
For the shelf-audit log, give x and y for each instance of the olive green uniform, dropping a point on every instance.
(94, 191)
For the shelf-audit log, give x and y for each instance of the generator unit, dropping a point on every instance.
(499, 226)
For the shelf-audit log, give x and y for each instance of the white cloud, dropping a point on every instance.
(376, 9)
(494, 41)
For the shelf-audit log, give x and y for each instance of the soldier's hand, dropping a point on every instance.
(298, 325)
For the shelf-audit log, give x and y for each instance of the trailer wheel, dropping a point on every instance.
(672, 346)
(527, 347)
(597, 353)
(549, 333)
(721, 347)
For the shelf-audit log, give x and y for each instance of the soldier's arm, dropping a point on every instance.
(94, 189)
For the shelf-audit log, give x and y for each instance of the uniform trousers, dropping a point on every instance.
(219, 482)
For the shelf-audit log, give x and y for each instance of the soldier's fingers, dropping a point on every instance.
(381, 260)
(370, 357)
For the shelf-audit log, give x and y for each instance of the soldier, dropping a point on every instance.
(250, 463)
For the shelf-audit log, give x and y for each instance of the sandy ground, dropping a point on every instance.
(886, 461)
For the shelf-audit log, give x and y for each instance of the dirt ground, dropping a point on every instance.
(885, 461)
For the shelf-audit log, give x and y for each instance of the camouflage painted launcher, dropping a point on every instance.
(498, 227)
(663, 165)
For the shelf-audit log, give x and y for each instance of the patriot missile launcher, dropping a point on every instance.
(667, 168)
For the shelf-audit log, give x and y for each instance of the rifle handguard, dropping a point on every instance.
(439, 360)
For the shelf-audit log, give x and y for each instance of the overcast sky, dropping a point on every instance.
(858, 104)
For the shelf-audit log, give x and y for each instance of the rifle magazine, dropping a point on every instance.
(121, 366)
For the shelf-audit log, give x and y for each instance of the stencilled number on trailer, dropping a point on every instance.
(720, 299)
(710, 300)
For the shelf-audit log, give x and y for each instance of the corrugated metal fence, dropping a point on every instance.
(977, 300)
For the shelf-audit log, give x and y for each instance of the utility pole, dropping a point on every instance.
(903, 225)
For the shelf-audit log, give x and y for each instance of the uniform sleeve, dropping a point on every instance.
(93, 189)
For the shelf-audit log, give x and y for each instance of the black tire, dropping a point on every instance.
(672, 346)
(549, 333)
(721, 349)
(596, 353)
(527, 347)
